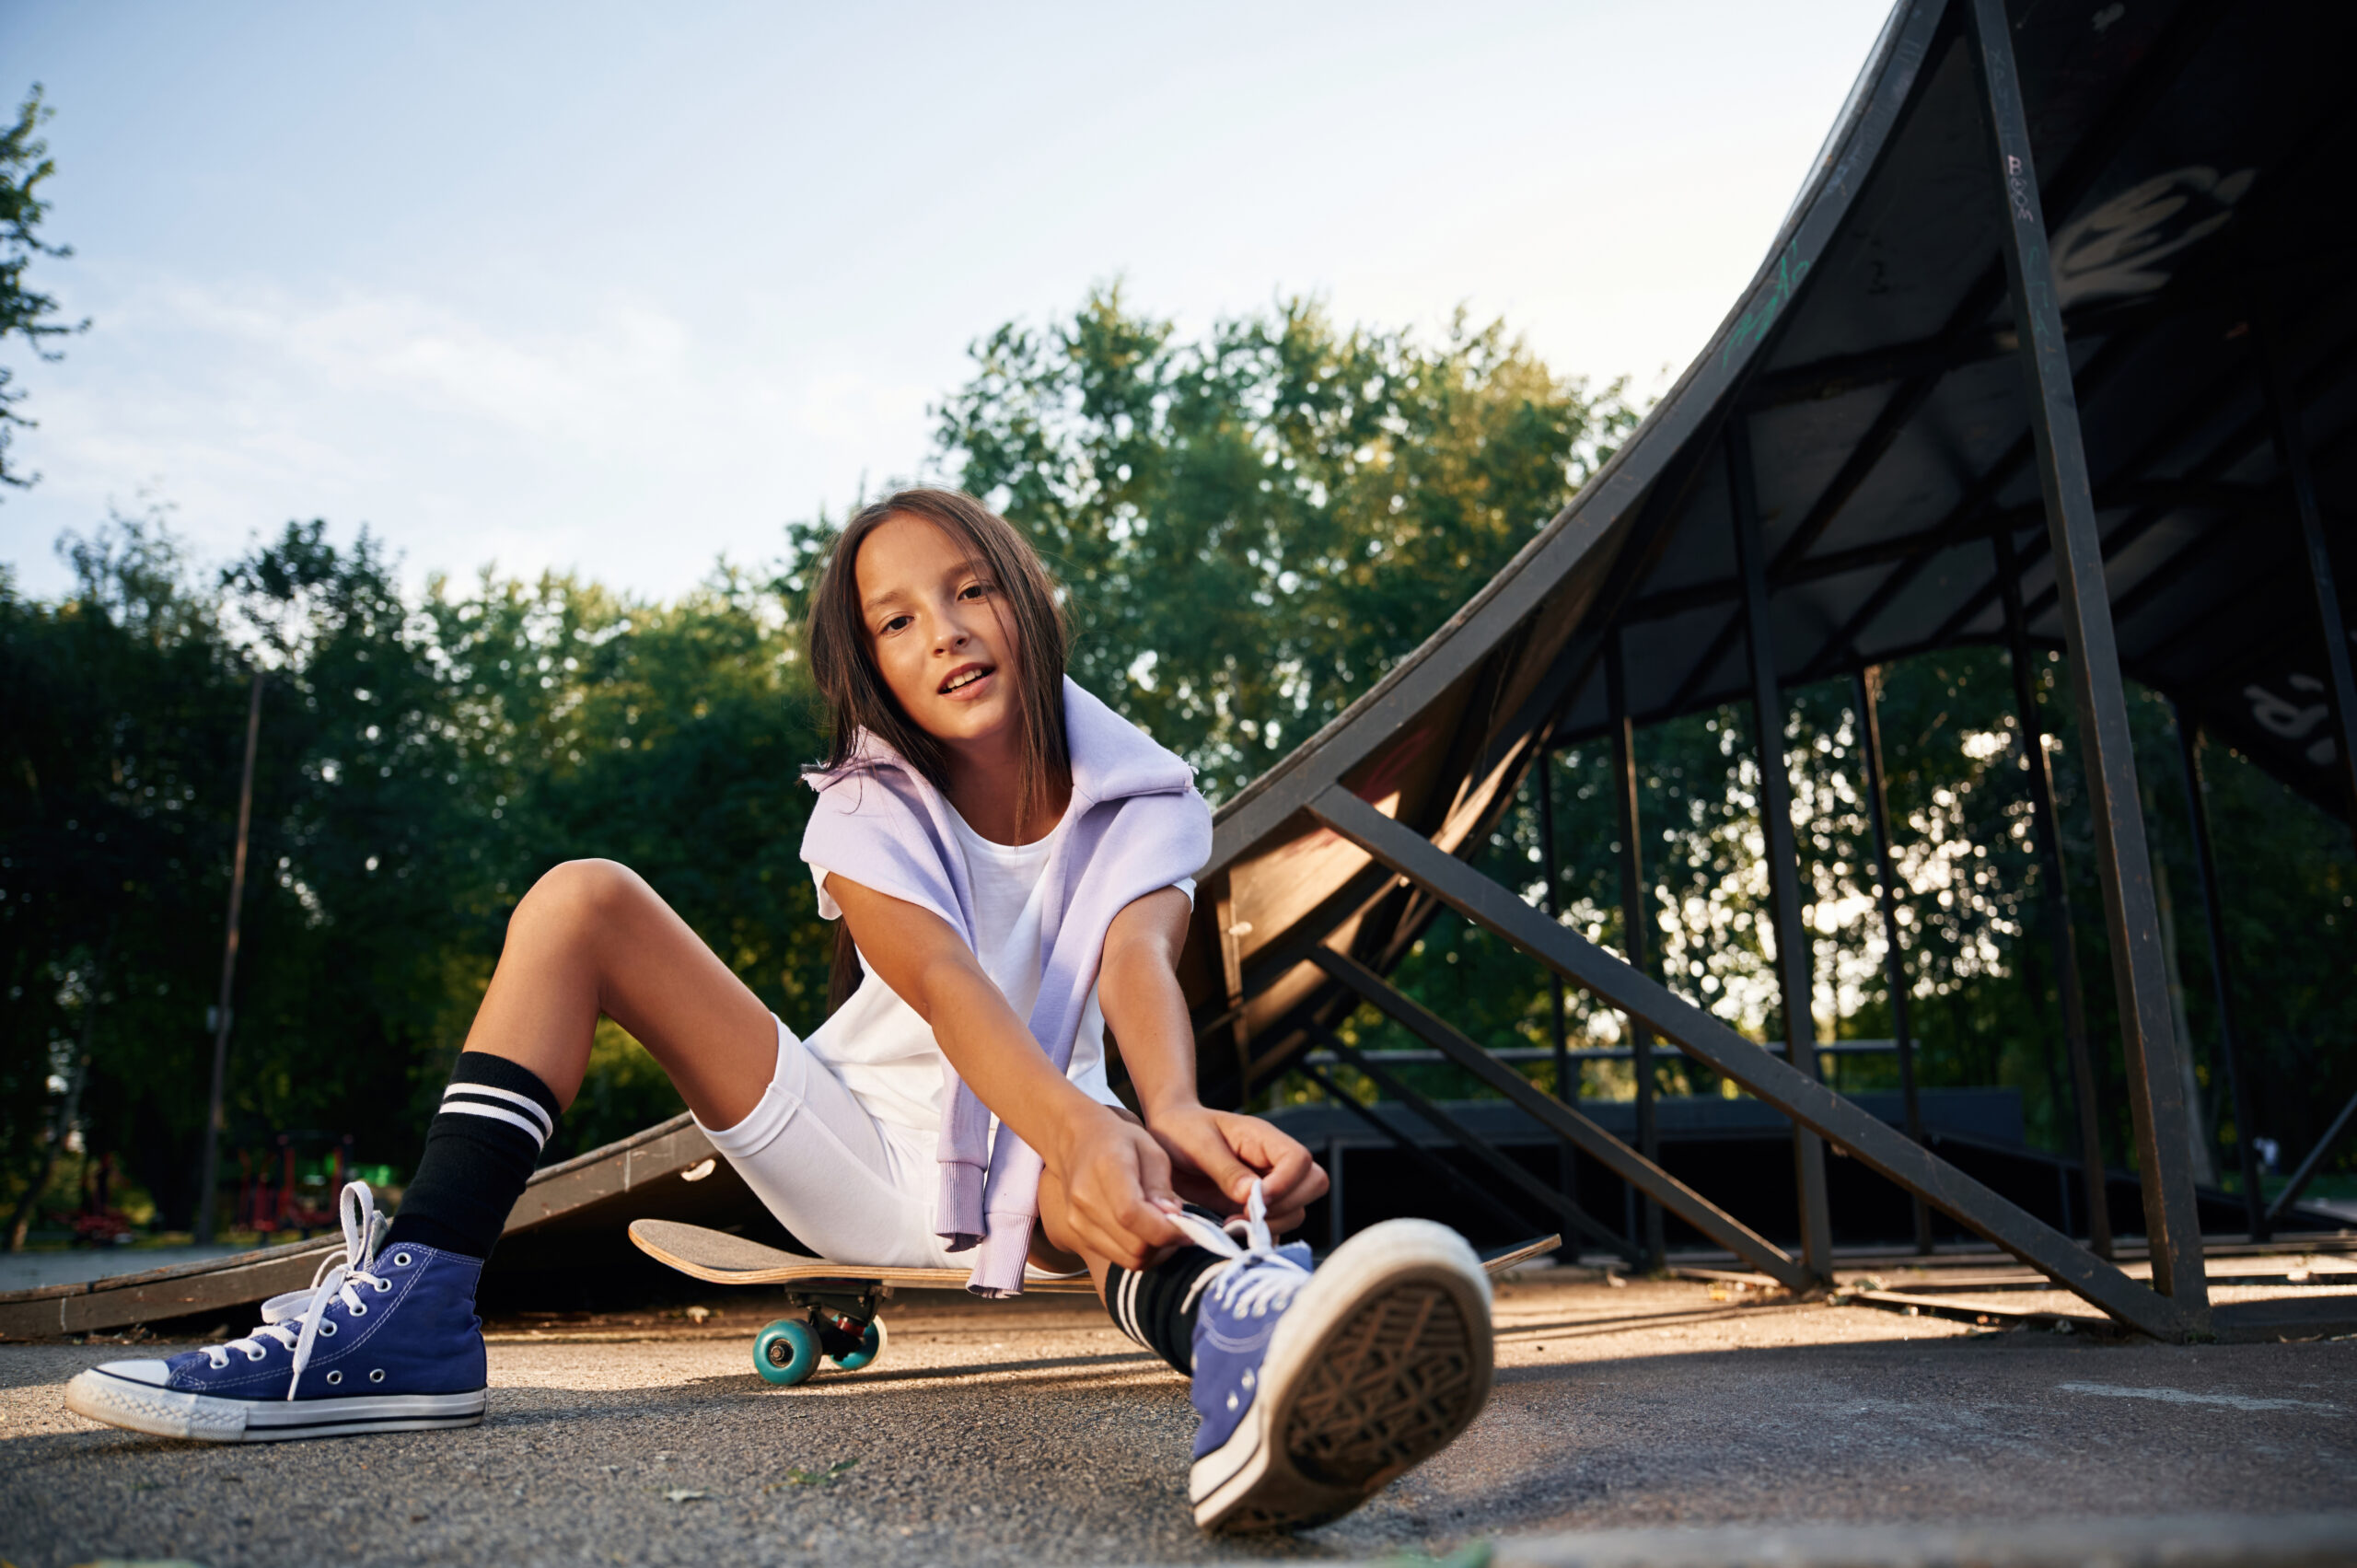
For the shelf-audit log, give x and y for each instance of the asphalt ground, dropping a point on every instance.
(1033, 1433)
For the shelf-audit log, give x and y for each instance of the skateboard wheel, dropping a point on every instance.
(871, 1345)
(786, 1352)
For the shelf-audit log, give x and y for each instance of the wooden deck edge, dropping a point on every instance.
(85, 1307)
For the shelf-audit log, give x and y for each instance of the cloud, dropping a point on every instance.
(623, 439)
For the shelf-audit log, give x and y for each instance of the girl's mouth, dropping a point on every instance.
(964, 683)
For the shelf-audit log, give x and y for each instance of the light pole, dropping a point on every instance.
(209, 1168)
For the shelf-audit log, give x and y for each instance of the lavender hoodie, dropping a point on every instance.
(1135, 826)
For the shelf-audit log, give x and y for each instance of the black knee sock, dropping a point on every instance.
(480, 1150)
(1156, 1306)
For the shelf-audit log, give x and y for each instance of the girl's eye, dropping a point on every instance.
(974, 590)
(893, 625)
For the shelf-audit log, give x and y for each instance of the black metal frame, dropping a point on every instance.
(1625, 519)
(2213, 926)
(1881, 1148)
(1795, 964)
(1550, 1113)
(1559, 1204)
(2155, 1089)
(1865, 693)
(1634, 935)
(2055, 912)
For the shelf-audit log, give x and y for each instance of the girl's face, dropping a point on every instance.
(933, 623)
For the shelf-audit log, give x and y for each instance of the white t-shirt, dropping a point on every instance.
(885, 1054)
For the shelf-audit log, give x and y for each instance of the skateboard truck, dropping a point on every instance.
(834, 1326)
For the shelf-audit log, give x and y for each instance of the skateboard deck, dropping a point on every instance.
(721, 1258)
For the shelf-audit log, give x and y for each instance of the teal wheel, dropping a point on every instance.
(871, 1345)
(786, 1352)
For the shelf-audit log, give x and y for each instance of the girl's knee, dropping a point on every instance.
(583, 895)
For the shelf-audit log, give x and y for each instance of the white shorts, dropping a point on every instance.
(851, 1188)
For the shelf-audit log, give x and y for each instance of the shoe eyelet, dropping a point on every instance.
(378, 1376)
(255, 1354)
(360, 1310)
(384, 1286)
(328, 1329)
(400, 1260)
(335, 1378)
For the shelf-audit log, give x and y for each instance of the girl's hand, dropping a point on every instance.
(1215, 1155)
(1118, 1198)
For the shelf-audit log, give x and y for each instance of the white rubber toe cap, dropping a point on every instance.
(154, 1374)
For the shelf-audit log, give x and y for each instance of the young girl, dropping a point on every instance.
(1011, 861)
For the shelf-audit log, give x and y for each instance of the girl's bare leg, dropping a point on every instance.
(591, 937)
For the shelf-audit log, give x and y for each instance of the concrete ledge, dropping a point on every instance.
(2207, 1541)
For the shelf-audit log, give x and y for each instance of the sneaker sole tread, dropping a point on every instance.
(172, 1413)
(1394, 1381)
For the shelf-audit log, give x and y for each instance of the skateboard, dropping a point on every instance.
(838, 1302)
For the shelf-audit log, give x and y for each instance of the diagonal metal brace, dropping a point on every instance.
(1559, 1119)
(1881, 1148)
(1423, 1157)
(1480, 1148)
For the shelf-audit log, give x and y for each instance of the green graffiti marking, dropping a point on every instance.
(1753, 324)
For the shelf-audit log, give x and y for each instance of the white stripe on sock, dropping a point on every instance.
(1137, 1324)
(467, 1108)
(526, 1102)
(1125, 1312)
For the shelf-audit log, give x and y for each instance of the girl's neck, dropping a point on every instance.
(986, 787)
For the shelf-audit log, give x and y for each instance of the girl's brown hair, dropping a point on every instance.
(843, 666)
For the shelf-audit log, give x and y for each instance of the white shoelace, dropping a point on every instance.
(295, 1319)
(1258, 1278)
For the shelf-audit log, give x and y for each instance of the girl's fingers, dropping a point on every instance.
(1218, 1162)
(1292, 1177)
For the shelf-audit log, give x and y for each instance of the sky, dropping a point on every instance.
(623, 290)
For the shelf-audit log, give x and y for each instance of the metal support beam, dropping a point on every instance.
(1567, 1084)
(2156, 1091)
(1866, 690)
(1634, 933)
(1449, 1174)
(1551, 1113)
(2292, 449)
(2314, 1163)
(2213, 923)
(2046, 826)
(1795, 970)
(1480, 1148)
(1882, 1149)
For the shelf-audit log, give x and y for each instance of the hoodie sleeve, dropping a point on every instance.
(868, 826)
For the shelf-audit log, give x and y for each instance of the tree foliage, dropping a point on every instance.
(420, 765)
(1255, 525)
(25, 312)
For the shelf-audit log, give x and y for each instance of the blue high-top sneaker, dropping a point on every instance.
(385, 1342)
(1317, 1389)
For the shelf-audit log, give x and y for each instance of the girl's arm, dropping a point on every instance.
(1145, 1012)
(1114, 1175)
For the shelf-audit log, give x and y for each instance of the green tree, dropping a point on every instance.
(1255, 526)
(25, 165)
